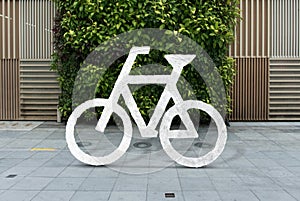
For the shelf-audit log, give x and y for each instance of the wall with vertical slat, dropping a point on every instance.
(285, 23)
(269, 31)
(9, 26)
(9, 89)
(251, 51)
(250, 90)
(284, 97)
(9, 62)
(252, 34)
(36, 28)
(39, 87)
(25, 53)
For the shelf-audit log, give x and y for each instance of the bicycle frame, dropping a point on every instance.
(121, 88)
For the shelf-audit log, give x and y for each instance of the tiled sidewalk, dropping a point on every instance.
(261, 161)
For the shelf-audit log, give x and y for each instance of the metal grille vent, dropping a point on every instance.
(284, 89)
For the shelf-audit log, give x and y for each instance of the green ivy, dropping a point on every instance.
(81, 25)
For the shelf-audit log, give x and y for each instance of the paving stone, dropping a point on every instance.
(276, 172)
(57, 135)
(215, 172)
(21, 154)
(295, 135)
(266, 162)
(295, 170)
(163, 184)
(137, 176)
(240, 162)
(6, 183)
(294, 154)
(201, 195)
(233, 183)
(166, 172)
(58, 162)
(53, 196)
(32, 183)
(261, 161)
(131, 184)
(44, 154)
(9, 162)
(255, 154)
(103, 172)
(13, 195)
(36, 135)
(191, 172)
(279, 136)
(249, 172)
(288, 162)
(276, 154)
(4, 153)
(262, 145)
(64, 154)
(91, 196)
(294, 192)
(288, 182)
(237, 195)
(97, 184)
(47, 172)
(81, 171)
(53, 143)
(253, 183)
(198, 183)
(3, 169)
(65, 184)
(273, 195)
(33, 162)
(250, 135)
(233, 137)
(20, 171)
(161, 196)
(23, 144)
(128, 195)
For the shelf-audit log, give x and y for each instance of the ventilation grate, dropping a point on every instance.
(284, 89)
(39, 90)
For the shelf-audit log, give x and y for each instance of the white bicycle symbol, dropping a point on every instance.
(177, 61)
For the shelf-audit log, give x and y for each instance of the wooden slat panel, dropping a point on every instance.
(285, 29)
(252, 35)
(36, 24)
(31, 39)
(250, 90)
(284, 89)
(268, 29)
(39, 90)
(9, 89)
(9, 29)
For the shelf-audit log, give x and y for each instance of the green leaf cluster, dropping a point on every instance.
(81, 25)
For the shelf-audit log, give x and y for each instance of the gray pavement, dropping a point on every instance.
(261, 161)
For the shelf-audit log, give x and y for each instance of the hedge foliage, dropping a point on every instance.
(81, 25)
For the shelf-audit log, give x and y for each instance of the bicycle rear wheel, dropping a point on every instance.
(198, 161)
(86, 157)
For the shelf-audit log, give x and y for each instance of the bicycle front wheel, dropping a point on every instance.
(198, 161)
(86, 157)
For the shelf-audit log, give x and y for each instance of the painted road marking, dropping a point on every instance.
(42, 149)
